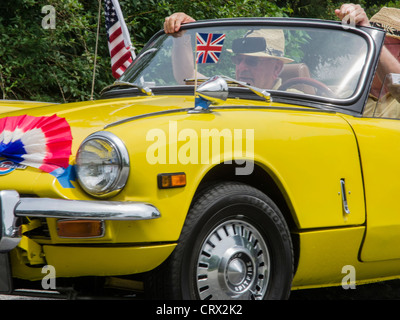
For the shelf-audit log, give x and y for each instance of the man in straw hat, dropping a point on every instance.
(389, 20)
(257, 54)
(252, 66)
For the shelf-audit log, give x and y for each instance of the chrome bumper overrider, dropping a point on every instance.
(12, 207)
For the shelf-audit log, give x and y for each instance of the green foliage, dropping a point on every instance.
(57, 64)
(49, 64)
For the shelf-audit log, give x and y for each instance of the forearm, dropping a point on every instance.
(182, 58)
(387, 64)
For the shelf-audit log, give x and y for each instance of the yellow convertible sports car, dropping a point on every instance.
(238, 159)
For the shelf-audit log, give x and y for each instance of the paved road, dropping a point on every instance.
(6, 297)
(14, 297)
(388, 290)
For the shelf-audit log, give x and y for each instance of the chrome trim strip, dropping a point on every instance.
(12, 207)
(227, 107)
(85, 209)
(188, 110)
(151, 114)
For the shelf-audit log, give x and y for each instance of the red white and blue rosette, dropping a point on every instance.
(39, 142)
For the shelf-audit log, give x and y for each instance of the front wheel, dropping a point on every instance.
(235, 244)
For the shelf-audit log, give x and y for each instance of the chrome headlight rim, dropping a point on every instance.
(124, 164)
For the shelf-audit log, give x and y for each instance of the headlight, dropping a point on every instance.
(102, 164)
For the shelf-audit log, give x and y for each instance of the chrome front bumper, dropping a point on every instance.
(12, 207)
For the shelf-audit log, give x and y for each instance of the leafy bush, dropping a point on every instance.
(49, 64)
(57, 64)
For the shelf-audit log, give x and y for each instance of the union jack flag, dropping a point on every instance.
(209, 47)
(119, 43)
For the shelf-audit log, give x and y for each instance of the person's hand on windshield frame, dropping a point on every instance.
(353, 13)
(173, 23)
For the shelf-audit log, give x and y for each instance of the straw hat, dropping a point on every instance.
(268, 43)
(389, 20)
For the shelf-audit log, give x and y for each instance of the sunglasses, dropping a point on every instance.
(250, 61)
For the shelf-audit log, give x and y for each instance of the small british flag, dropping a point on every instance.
(209, 47)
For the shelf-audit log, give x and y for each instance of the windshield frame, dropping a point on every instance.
(353, 104)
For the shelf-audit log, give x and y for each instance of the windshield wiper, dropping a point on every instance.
(263, 93)
(258, 91)
(119, 83)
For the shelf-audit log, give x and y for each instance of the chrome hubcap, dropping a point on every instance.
(233, 263)
(236, 271)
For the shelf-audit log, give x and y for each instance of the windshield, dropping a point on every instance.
(315, 61)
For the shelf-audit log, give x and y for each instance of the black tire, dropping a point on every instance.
(235, 244)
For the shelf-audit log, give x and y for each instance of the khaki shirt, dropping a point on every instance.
(386, 107)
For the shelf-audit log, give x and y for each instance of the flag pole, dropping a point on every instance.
(195, 69)
(95, 51)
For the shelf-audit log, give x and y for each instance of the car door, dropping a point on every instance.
(379, 147)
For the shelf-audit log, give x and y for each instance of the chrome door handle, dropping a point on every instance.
(344, 197)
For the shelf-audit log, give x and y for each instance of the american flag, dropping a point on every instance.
(119, 43)
(209, 47)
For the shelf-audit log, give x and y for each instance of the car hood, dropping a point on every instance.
(91, 116)
(13, 105)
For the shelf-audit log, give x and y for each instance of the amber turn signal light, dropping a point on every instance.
(171, 180)
(80, 228)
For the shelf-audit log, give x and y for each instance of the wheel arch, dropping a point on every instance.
(262, 179)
